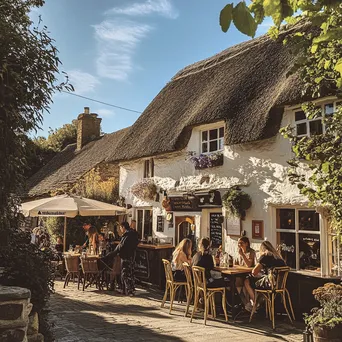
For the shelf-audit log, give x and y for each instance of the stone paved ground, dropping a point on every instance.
(108, 316)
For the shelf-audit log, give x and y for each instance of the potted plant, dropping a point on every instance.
(236, 202)
(326, 321)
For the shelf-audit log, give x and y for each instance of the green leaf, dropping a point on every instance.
(327, 64)
(243, 20)
(338, 66)
(325, 167)
(314, 48)
(331, 35)
(273, 8)
(226, 17)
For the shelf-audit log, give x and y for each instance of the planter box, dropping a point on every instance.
(210, 163)
(323, 334)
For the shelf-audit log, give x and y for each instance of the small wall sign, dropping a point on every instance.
(257, 229)
(160, 223)
(233, 226)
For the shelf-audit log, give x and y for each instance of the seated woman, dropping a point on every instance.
(269, 258)
(247, 254)
(247, 258)
(181, 254)
(204, 259)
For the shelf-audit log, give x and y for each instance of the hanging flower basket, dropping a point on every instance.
(236, 202)
(144, 190)
(204, 161)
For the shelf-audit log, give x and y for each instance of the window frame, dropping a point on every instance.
(218, 139)
(149, 168)
(321, 118)
(143, 210)
(297, 233)
(334, 252)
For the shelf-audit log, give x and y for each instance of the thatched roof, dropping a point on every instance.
(244, 85)
(68, 166)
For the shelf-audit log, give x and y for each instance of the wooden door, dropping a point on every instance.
(183, 227)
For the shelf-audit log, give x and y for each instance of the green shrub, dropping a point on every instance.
(27, 266)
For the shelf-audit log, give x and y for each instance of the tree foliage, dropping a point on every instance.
(29, 67)
(40, 150)
(317, 36)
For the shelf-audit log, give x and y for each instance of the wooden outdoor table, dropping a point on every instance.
(233, 273)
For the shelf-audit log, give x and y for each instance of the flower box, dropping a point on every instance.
(204, 161)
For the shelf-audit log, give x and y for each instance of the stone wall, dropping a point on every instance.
(15, 308)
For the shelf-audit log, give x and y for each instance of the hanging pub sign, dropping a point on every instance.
(209, 199)
(184, 203)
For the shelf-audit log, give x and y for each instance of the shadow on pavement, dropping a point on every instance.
(76, 321)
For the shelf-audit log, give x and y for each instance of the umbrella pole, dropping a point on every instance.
(64, 237)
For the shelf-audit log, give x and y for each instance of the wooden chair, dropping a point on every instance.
(208, 294)
(72, 265)
(189, 288)
(91, 272)
(278, 278)
(110, 274)
(171, 285)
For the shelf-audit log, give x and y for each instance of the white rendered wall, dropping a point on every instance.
(259, 167)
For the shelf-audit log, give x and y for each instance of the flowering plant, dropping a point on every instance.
(145, 189)
(329, 314)
(204, 161)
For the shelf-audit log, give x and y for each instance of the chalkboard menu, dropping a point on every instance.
(160, 223)
(184, 204)
(216, 229)
(142, 269)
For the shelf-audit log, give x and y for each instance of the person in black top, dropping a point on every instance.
(204, 259)
(269, 259)
(59, 247)
(126, 250)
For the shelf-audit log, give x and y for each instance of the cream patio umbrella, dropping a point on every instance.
(69, 206)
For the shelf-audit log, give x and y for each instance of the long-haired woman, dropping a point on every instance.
(93, 239)
(204, 259)
(269, 258)
(181, 254)
(246, 253)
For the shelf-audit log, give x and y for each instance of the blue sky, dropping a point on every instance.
(124, 51)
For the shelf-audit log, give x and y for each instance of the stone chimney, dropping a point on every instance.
(88, 127)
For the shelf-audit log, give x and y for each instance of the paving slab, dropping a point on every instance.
(102, 316)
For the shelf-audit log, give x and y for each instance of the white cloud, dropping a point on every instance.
(161, 7)
(83, 82)
(117, 42)
(104, 113)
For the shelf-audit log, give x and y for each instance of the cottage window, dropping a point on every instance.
(212, 140)
(298, 238)
(149, 168)
(308, 127)
(335, 255)
(144, 223)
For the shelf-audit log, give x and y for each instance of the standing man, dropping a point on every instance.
(126, 250)
(134, 231)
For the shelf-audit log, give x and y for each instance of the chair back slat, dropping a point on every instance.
(72, 263)
(168, 270)
(199, 277)
(188, 276)
(279, 277)
(89, 265)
